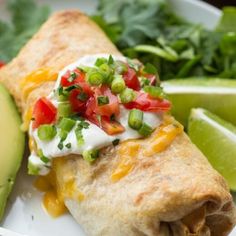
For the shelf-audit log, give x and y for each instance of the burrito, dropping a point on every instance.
(103, 141)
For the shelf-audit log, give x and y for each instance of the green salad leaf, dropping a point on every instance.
(26, 18)
(150, 31)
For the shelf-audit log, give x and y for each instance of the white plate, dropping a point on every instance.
(24, 213)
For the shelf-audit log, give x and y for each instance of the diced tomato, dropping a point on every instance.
(111, 127)
(131, 79)
(44, 112)
(112, 108)
(2, 64)
(77, 104)
(80, 77)
(145, 103)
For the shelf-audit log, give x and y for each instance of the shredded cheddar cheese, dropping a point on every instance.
(127, 153)
(35, 79)
(54, 194)
(163, 137)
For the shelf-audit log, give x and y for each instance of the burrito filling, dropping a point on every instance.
(97, 101)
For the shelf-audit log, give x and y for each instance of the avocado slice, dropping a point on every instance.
(12, 143)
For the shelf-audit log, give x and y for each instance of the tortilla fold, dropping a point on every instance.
(175, 192)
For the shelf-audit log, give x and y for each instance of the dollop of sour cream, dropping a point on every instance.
(93, 136)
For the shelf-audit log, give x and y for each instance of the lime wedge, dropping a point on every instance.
(216, 138)
(216, 95)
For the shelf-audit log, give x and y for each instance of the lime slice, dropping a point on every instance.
(216, 138)
(216, 95)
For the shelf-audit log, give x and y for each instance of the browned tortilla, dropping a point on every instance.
(175, 192)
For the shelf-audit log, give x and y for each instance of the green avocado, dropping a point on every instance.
(12, 143)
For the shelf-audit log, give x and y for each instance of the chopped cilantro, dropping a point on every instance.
(102, 100)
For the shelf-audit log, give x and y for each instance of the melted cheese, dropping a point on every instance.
(158, 142)
(127, 152)
(54, 193)
(163, 137)
(35, 79)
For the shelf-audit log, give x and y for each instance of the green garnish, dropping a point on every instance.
(66, 124)
(95, 78)
(42, 157)
(60, 145)
(64, 109)
(63, 135)
(70, 88)
(102, 100)
(153, 91)
(82, 96)
(118, 84)
(127, 95)
(135, 120)
(68, 145)
(106, 71)
(115, 142)
(145, 130)
(100, 61)
(144, 81)
(110, 60)
(72, 77)
(46, 132)
(90, 155)
(79, 136)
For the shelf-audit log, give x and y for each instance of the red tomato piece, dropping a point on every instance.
(77, 104)
(145, 103)
(44, 112)
(79, 77)
(112, 108)
(111, 127)
(131, 79)
(2, 64)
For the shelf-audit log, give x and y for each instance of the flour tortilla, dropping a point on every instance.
(175, 192)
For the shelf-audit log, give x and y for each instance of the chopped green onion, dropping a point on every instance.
(110, 60)
(135, 119)
(144, 81)
(66, 124)
(79, 136)
(127, 95)
(70, 88)
(115, 142)
(63, 135)
(72, 77)
(153, 91)
(118, 84)
(102, 100)
(46, 132)
(95, 78)
(42, 157)
(82, 96)
(100, 61)
(60, 145)
(120, 67)
(68, 145)
(145, 130)
(90, 155)
(61, 94)
(106, 71)
(64, 109)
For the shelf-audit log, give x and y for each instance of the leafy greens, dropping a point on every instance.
(150, 31)
(26, 18)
